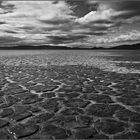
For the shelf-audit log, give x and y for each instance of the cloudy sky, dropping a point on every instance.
(84, 23)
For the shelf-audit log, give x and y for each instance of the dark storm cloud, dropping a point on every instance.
(56, 21)
(11, 32)
(81, 7)
(2, 22)
(66, 39)
(8, 39)
(6, 8)
(95, 27)
(95, 33)
(103, 22)
(133, 6)
(132, 9)
(27, 28)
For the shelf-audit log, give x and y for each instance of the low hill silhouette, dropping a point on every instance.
(127, 47)
(49, 47)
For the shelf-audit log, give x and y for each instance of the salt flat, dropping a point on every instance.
(71, 94)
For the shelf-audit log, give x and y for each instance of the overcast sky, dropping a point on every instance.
(85, 23)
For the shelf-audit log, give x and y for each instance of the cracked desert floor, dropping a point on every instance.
(70, 94)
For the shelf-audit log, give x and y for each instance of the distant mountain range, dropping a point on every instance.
(127, 47)
(48, 47)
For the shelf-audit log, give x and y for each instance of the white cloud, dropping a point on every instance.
(103, 13)
(28, 14)
(124, 37)
(134, 35)
(35, 10)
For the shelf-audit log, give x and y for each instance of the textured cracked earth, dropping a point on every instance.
(68, 101)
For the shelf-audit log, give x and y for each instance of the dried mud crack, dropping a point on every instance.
(68, 102)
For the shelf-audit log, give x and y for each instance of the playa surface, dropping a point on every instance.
(70, 94)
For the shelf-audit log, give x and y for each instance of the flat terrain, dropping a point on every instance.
(70, 95)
